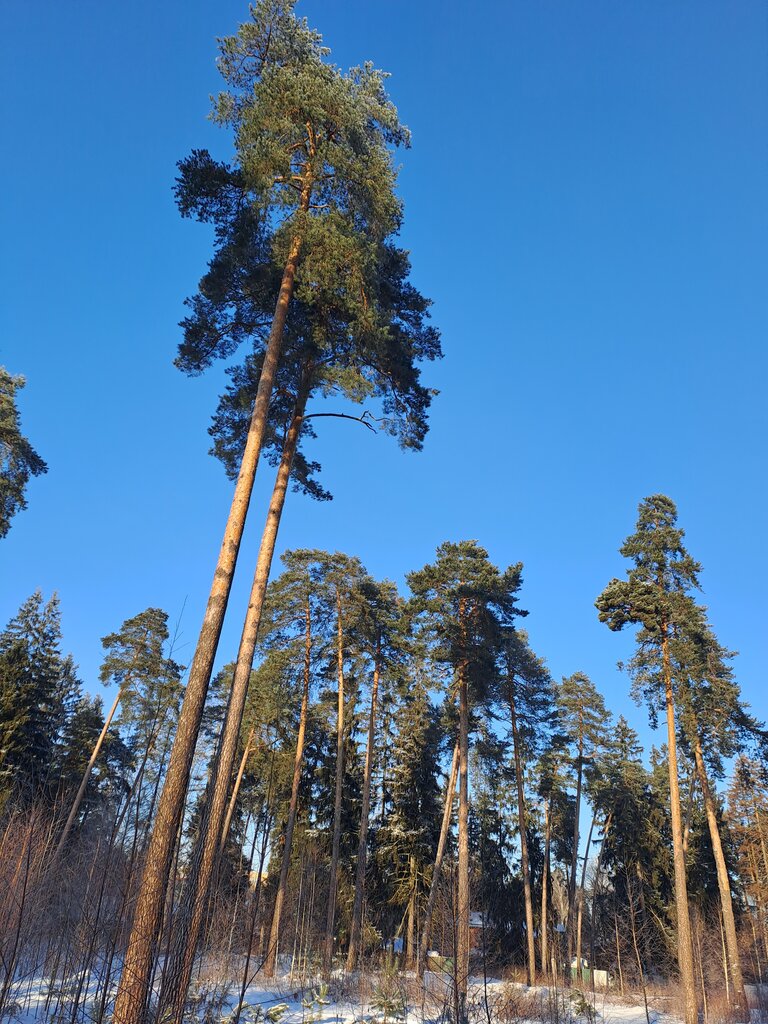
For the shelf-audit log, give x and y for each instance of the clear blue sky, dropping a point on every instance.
(586, 203)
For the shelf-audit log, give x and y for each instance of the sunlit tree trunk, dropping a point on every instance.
(684, 938)
(545, 888)
(575, 854)
(580, 897)
(723, 881)
(336, 841)
(274, 932)
(362, 846)
(188, 922)
(462, 953)
(86, 775)
(133, 990)
(410, 932)
(450, 796)
(236, 790)
(521, 817)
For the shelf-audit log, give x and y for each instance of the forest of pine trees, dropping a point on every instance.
(380, 779)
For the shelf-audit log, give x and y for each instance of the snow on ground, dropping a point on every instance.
(388, 1000)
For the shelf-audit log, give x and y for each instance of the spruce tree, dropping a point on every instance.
(39, 689)
(656, 597)
(18, 459)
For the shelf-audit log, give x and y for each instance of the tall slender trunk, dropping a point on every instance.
(135, 979)
(580, 896)
(684, 939)
(545, 887)
(87, 774)
(188, 923)
(362, 845)
(450, 796)
(643, 914)
(336, 841)
(521, 817)
(723, 881)
(235, 790)
(462, 957)
(575, 854)
(293, 806)
(598, 865)
(410, 931)
(618, 949)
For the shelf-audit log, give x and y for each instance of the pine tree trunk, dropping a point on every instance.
(545, 888)
(410, 932)
(336, 841)
(274, 932)
(86, 776)
(598, 865)
(188, 923)
(235, 790)
(133, 990)
(575, 854)
(684, 939)
(450, 796)
(362, 846)
(580, 897)
(462, 956)
(521, 817)
(723, 882)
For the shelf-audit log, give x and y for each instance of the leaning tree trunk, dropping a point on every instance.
(580, 897)
(298, 762)
(521, 816)
(336, 842)
(545, 888)
(450, 796)
(723, 881)
(188, 923)
(410, 930)
(235, 790)
(575, 854)
(462, 952)
(595, 879)
(362, 846)
(684, 940)
(135, 980)
(86, 775)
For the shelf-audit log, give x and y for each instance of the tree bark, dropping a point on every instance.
(580, 897)
(336, 841)
(188, 923)
(362, 846)
(410, 931)
(575, 854)
(462, 957)
(86, 775)
(596, 877)
(521, 816)
(684, 939)
(274, 931)
(450, 796)
(235, 790)
(723, 881)
(545, 887)
(133, 990)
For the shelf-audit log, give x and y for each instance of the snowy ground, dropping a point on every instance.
(393, 1000)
